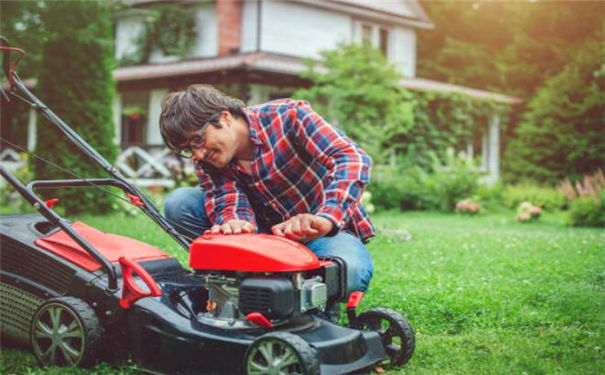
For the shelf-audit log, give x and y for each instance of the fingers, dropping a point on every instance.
(233, 227)
(297, 228)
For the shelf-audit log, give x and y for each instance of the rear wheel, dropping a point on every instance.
(64, 332)
(281, 353)
(395, 332)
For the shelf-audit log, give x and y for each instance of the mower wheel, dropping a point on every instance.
(395, 332)
(281, 353)
(65, 332)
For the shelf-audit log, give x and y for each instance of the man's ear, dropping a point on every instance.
(226, 117)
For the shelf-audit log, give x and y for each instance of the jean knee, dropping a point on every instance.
(183, 202)
(355, 255)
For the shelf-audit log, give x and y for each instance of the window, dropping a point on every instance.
(377, 35)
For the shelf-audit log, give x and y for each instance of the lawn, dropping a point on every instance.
(486, 295)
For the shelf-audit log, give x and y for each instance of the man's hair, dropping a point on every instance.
(188, 110)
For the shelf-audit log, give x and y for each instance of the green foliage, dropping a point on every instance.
(76, 83)
(408, 187)
(399, 187)
(171, 28)
(588, 211)
(444, 121)
(454, 179)
(22, 26)
(562, 133)
(509, 47)
(543, 196)
(360, 94)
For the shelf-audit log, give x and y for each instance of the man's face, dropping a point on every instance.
(212, 145)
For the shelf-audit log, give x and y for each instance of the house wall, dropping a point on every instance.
(295, 29)
(403, 45)
(130, 26)
(304, 31)
(127, 31)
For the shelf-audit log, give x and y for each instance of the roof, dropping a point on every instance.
(280, 64)
(402, 12)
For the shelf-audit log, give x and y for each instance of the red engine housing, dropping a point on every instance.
(250, 253)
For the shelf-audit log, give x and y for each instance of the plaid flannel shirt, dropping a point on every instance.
(301, 165)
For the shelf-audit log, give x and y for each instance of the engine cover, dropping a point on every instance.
(250, 253)
(274, 298)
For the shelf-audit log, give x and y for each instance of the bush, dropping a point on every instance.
(561, 134)
(545, 197)
(587, 207)
(588, 211)
(408, 187)
(76, 83)
(398, 187)
(489, 196)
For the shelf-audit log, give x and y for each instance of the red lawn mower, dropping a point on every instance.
(75, 295)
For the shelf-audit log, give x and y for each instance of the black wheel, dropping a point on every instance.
(395, 332)
(64, 332)
(281, 353)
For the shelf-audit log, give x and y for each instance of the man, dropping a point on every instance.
(273, 168)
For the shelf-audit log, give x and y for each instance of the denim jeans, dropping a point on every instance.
(184, 208)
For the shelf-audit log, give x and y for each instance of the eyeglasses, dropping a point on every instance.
(196, 142)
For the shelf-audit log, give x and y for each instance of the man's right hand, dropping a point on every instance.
(233, 227)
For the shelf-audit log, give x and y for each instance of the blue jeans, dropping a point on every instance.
(184, 208)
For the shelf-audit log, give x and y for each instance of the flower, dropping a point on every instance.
(468, 206)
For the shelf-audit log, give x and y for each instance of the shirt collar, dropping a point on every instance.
(252, 119)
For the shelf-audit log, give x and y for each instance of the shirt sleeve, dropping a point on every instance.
(349, 165)
(224, 199)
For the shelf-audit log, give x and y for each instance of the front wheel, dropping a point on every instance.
(281, 353)
(64, 332)
(395, 332)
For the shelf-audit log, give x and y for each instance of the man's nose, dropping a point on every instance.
(198, 154)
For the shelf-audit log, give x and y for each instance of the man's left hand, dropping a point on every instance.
(303, 227)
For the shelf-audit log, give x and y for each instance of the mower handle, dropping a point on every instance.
(5, 55)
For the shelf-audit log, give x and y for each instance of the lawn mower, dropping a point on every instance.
(251, 303)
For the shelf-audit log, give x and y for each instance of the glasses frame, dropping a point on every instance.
(195, 142)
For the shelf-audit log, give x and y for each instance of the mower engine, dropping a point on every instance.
(252, 276)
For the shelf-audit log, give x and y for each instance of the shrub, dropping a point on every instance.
(408, 187)
(452, 180)
(588, 211)
(545, 197)
(528, 212)
(587, 206)
(489, 196)
(562, 131)
(468, 206)
(76, 82)
(398, 187)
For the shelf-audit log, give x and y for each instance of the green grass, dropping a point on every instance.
(486, 295)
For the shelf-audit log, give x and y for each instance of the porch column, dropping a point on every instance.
(31, 130)
(154, 137)
(494, 148)
(117, 118)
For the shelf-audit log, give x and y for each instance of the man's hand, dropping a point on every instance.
(303, 227)
(234, 226)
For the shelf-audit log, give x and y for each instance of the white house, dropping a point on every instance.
(255, 50)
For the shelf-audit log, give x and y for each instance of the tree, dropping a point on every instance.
(359, 93)
(510, 47)
(563, 132)
(75, 81)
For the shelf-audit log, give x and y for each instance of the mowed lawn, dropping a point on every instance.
(486, 295)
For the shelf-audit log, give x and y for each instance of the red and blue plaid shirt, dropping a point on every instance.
(301, 165)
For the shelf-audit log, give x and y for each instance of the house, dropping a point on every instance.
(254, 50)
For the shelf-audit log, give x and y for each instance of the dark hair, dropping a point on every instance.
(188, 110)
